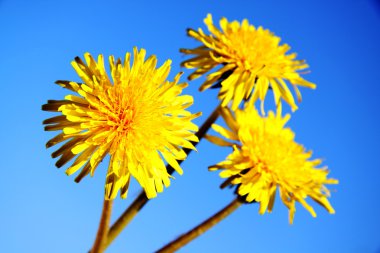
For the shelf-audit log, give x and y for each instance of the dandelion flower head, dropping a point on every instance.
(136, 116)
(251, 59)
(266, 157)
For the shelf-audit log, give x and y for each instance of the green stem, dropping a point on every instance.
(201, 228)
(101, 236)
(141, 199)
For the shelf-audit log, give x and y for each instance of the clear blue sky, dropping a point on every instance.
(43, 210)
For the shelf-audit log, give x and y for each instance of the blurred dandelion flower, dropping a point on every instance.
(137, 117)
(252, 61)
(266, 157)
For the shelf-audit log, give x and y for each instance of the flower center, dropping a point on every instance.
(255, 50)
(121, 117)
(125, 119)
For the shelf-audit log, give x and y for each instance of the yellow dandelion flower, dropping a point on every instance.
(266, 157)
(136, 116)
(251, 59)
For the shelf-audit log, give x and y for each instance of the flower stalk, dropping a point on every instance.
(101, 236)
(201, 228)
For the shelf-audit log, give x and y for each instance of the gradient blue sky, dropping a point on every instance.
(43, 210)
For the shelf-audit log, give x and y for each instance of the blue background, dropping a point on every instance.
(43, 210)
